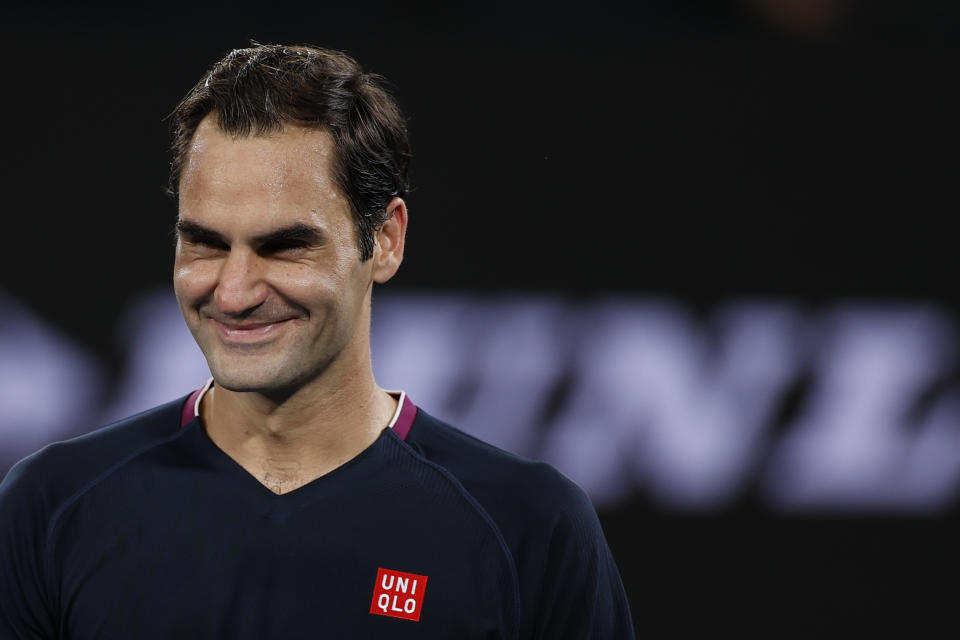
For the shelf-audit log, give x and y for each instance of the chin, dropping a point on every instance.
(248, 377)
(272, 372)
(240, 385)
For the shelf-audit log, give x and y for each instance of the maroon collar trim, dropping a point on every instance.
(408, 413)
(401, 426)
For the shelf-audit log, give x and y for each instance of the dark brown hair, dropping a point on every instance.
(256, 91)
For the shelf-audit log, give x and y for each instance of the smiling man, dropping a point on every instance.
(291, 497)
(272, 283)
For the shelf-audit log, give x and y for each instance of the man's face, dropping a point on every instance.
(268, 272)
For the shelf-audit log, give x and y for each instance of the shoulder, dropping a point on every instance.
(568, 582)
(39, 488)
(515, 491)
(49, 477)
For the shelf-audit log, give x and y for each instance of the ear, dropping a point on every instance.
(390, 239)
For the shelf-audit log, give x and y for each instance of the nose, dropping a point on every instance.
(240, 287)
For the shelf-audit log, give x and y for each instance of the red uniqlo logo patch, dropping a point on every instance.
(398, 594)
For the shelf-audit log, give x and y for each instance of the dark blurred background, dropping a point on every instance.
(800, 154)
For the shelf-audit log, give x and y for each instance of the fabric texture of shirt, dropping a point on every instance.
(146, 529)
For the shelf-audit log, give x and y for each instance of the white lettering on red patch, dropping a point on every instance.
(398, 594)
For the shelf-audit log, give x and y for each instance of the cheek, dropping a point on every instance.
(335, 288)
(192, 279)
(307, 285)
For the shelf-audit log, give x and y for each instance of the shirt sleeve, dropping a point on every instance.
(24, 604)
(580, 593)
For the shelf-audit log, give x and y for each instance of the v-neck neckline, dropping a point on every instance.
(191, 422)
(242, 480)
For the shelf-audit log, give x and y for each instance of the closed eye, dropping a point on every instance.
(290, 239)
(274, 248)
(209, 243)
(194, 234)
(283, 246)
(296, 237)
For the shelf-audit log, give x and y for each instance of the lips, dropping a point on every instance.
(253, 333)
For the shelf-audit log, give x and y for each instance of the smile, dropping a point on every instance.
(249, 334)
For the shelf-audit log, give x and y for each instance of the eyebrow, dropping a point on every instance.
(297, 233)
(197, 232)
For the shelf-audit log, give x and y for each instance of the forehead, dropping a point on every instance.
(295, 162)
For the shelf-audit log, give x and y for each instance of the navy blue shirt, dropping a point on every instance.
(146, 529)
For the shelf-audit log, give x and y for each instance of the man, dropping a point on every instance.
(291, 497)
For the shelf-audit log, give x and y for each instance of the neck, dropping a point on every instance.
(289, 442)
